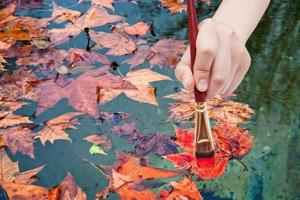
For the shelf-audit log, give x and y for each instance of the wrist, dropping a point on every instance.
(243, 35)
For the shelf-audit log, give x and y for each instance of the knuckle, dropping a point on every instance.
(219, 78)
(202, 69)
(205, 22)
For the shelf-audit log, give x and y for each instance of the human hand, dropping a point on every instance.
(222, 60)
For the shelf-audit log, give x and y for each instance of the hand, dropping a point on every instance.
(222, 60)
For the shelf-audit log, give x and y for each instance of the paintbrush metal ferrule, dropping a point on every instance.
(204, 143)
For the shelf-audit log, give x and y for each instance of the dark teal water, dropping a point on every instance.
(271, 88)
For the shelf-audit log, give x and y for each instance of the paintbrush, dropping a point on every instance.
(203, 139)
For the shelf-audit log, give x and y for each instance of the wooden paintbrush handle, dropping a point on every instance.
(193, 31)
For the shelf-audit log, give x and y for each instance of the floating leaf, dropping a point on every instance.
(55, 128)
(10, 172)
(139, 28)
(18, 139)
(67, 189)
(184, 189)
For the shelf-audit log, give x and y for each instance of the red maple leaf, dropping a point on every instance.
(231, 142)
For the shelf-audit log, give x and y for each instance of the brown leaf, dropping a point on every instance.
(80, 57)
(139, 28)
(184, 189)
(18, 191)
(19, 139)
(143, 92)
(104, 3)
(8, 119)
(96, 16)
(10, 172)
(219, 108)
(167, 52)
(67, 190)
(133, 171)
(177, 6)
(82, 92)
(139, 56)
(117, 42)
(100, 140)
(55, 128)
(61, 14)
(17, 85)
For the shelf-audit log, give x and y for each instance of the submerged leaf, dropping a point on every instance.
(184, 189)
(96, 150)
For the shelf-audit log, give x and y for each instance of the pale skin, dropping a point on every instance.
(222, 59)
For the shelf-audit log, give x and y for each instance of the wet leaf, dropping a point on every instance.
(99, 139)
(177, 6)
(17, 191)
(143, 92)
(55, 128)
(130, 171)
(204, 168)
(139, 28)
(232, 140)
(61, 14)
(183, 189)
(118, 43)
(221, 109)
(19, 139)
(10, 172)
(104, 3)
(146, 143)
(67, 189)
(165, 52)
(82, 92)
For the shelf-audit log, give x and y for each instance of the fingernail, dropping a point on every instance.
(202, 85)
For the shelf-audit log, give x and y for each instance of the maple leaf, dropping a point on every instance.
(19, 28)
(204, 168)
(143, 92)
(176, 6)
(231, 142)
(96, 16)
(166, 52)
(55, 128)
(25, 191)
(146, 143)
(139, 28)
(7, 118)
(128, 173)
(221, 109)
(104, 3)
(10, 172)
(18, 139)
(67, 189)
(183, 189)
(61, 14)
(99, 139)
(17, 85)
(82, 92)
(117, 42)
(2, 60)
